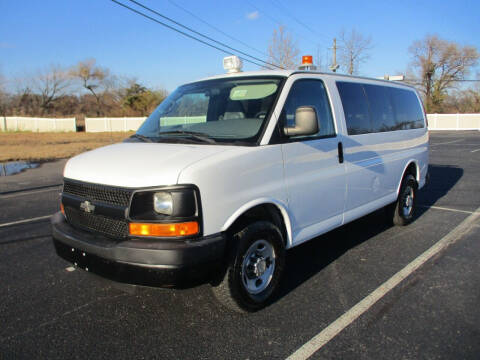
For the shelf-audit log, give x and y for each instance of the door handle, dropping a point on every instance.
(340, 152)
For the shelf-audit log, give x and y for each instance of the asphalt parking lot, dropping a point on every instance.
(47, 311)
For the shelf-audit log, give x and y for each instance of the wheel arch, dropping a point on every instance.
(413, 168)
(262, 209)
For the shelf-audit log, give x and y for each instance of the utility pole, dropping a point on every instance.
(334, 65)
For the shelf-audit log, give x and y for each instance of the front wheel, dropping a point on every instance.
(254, 268)
(402, 211)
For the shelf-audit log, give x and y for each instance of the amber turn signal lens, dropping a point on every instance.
(164, 230)
(62, 209)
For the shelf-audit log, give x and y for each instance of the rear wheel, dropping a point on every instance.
(254, 268)
(402, 211)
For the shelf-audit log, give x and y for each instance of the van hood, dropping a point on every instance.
(137, 164)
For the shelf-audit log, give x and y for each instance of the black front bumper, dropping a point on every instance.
(139, 261)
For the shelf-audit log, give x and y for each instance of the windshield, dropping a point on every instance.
(214, 111)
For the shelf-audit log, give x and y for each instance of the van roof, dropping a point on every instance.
(287, 73)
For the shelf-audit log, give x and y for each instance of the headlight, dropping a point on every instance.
(163, 203)
(179, 203)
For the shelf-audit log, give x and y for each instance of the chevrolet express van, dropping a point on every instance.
(230, 172)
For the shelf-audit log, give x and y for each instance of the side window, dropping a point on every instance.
(381, 108)
(309, 93)
(408, 113)
(355, 108)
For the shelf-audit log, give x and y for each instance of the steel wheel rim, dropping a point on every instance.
(258, 266)
(408, 198)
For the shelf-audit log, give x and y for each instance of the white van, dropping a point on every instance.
(231, 171)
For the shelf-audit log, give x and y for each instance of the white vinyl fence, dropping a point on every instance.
(18, 123)
(113, 124)
(435, 122)
(453, 121)
(132, 124)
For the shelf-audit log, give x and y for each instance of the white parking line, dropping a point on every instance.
(327, 334)
(446, 209)
(475, 150)
(447, 142)
(28, 192)
(450, 144)
(25, 221)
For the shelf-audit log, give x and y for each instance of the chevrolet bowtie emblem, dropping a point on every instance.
(87, 206)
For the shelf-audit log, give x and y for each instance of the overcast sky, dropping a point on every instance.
(34, 34)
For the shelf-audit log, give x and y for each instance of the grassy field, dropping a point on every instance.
(50, 146)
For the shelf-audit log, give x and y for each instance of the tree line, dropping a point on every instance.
(441, 70)
(85, 89)
(438, 68)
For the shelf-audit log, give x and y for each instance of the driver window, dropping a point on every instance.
(309, 93)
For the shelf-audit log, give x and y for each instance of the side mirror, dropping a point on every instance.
(306, 122)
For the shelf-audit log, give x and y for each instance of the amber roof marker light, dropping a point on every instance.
(307, 63)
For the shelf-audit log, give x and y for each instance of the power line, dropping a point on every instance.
(264, 13)
(272, 18)
(184, 33)
(181, 32)
(283, 8)
(457, 80)
(193, 31)
(216, 29)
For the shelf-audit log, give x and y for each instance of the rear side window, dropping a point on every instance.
(375, 108)
(409, 114)
(309, 93)
(355, 108)
(381, 108)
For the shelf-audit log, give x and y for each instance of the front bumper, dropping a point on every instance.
(139, 261)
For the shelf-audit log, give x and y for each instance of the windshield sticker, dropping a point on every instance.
(252, 92)
(238, 93)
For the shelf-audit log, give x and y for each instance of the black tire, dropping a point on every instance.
(236, 289)
(402, 211)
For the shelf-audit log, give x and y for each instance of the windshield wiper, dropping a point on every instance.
(191, 134)
(141, 137)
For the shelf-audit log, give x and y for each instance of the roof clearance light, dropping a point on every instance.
(307, 63)
(393, 77)
(232, 64)
(396, 78)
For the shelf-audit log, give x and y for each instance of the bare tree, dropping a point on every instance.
(320, 59)
(354, 50)
(93, 78)
(283, 50)
(437, 64)
(49, 84)
(464, 101)
(2, 82)
(49, 92)
(3, 96)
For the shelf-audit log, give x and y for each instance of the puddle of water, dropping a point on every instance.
(12, 168)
